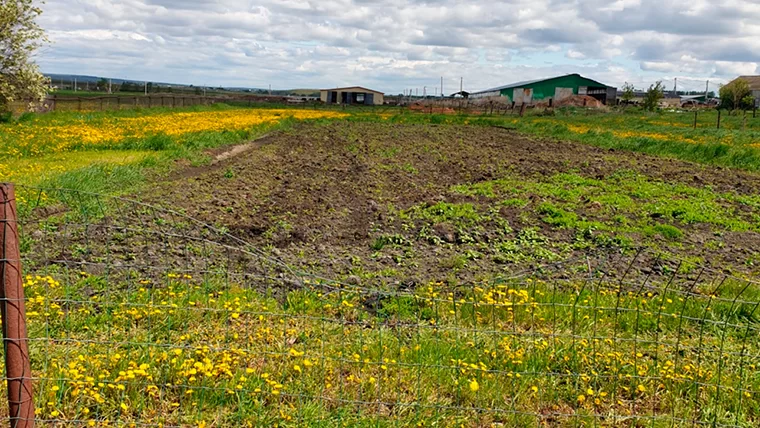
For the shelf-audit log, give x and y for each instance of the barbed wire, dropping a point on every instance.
(142, 316)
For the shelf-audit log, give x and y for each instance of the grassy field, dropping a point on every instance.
(373, 270)
(106, 151)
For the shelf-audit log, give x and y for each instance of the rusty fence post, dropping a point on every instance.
(18, 370)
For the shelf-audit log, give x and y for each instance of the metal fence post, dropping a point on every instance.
(17, 364)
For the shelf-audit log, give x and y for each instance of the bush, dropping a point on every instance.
(653, 96)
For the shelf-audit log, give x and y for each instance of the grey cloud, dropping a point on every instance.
(392, 43)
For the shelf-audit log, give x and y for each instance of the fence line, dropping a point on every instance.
(142, 316)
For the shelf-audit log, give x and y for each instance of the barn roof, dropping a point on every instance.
(753, 81)
(353, 87)
(531, 82)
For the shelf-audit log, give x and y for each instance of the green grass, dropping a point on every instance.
(113, 167)
(185, 350)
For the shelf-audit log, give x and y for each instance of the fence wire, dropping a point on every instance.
(142, 316)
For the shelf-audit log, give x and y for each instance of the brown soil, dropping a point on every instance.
(321, 195)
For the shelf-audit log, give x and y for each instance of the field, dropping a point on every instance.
(356, 269)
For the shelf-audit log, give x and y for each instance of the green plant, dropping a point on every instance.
(628, 93)
(653, 96)
(20, 37)
(669, 232)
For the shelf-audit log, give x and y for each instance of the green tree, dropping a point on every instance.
(20, 37)
(736, 95)
(628, 93)
(653, 96)
(102, 85)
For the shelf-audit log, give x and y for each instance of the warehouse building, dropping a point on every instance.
(352, 95)
(554, 88)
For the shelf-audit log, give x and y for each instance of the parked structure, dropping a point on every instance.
(754, 86)
(352, 95)
(555, 88)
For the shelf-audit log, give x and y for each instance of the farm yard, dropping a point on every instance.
(219, 266)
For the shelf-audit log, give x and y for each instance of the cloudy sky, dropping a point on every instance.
(390, 45)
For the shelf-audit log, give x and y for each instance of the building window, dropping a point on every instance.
(359, 98)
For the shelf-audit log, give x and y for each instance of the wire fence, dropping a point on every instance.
(141, 316)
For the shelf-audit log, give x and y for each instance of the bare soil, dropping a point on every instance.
(321, 195)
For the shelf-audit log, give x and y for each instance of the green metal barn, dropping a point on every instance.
(556, 88)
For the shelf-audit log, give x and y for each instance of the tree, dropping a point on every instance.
(628, 93)
(20, 37)
(736, 95)
(102, 85)
(653, 96)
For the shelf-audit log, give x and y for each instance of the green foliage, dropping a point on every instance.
(669, 232)
(736, 95)
(20, 37)
(653, 96)
(628, 92)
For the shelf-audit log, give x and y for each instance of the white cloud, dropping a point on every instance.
(574, 54)
(395, 44)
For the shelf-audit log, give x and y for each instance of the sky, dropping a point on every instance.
(392, 45)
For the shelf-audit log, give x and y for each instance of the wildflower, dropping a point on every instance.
(474, 386)
(581, 399)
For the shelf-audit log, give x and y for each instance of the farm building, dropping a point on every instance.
(352, 95)
(555, 88)
(754, 86)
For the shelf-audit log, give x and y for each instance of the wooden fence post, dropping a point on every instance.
(18, 368)
(718, 118)
(695, 119)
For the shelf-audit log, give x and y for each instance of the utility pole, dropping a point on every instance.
(270, 89)
(110, 90)
(707, 90)
(461, 85)
(75, 84)
(441, 86)
(675, 87)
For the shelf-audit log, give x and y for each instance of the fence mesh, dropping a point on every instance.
(142, 316)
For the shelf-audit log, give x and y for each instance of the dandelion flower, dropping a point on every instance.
(474, 386)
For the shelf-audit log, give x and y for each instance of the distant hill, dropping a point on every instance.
(67, 80)
(305, 92)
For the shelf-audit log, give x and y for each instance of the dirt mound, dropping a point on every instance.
(574, 101)
(580, 101)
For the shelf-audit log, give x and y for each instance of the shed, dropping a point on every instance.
(352, 95)
(556, 88)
